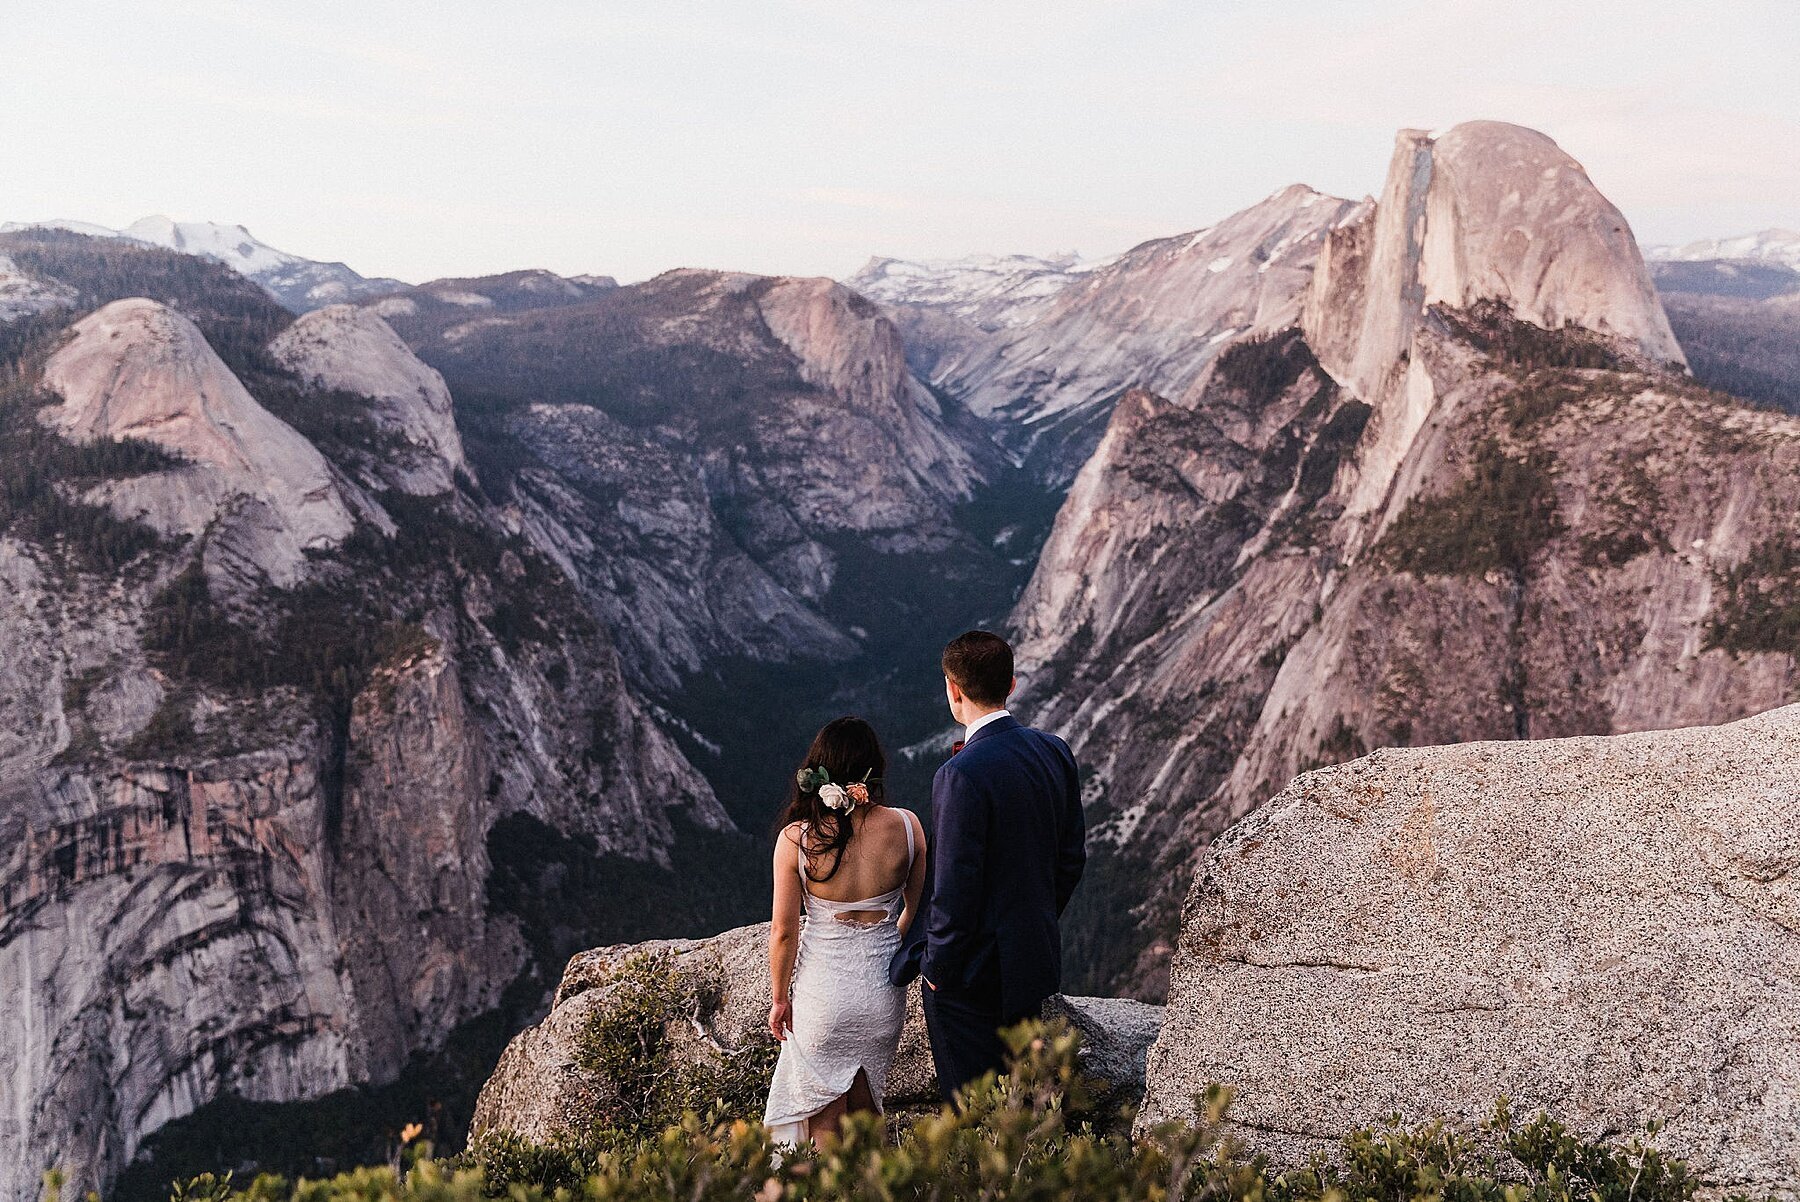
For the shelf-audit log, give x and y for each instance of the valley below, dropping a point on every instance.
(368, 650)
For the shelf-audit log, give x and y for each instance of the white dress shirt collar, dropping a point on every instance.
(985, 719)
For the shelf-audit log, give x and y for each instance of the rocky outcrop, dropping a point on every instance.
(845, 348)
(540, 1090)
(137, 369)
(1604, 928)
(1155, 317)
(350, 349)
(1485, 530)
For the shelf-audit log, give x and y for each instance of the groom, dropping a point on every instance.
(1007, 848)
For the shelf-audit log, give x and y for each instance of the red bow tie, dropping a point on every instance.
(958, 746)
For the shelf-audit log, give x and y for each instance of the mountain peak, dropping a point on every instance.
(1512, 217)
(1488, 211)
(137, 369)
(298, 283)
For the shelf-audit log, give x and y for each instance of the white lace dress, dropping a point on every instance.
(846, 1015)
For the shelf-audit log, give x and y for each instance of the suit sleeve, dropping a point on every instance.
(1071, 851)
(959, 850)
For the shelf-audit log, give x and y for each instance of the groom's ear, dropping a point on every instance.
(1013, 687)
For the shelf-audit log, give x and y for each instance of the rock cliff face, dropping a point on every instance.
(1604, 928)
(541, 1088)
(1448, 524)
(1489, 213)
(246, 813)
(1154, 317)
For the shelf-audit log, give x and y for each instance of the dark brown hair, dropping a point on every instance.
(981, 665)
(849, 751)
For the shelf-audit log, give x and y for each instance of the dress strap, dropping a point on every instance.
(906, 819)
(800, 861)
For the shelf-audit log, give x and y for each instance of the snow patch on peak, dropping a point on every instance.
(300, 284)
(973, 282)
(1778, 246)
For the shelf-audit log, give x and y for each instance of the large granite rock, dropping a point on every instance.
(1605, 928)
(352, 349)
(539, 1091)
(137, 369)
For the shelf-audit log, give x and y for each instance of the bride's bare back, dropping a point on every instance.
(874, 863)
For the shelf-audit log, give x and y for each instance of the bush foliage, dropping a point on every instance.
(1027, 1136)
(1498, 518)
(1759, 606)
(628, 1045)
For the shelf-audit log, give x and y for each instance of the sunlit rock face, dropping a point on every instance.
(1469, 494)
(351, 349)
(137, 369)
(1051, 368)
(1489, 212)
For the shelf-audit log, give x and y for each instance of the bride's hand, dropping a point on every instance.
(781, 1019)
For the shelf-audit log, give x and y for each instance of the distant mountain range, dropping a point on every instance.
(299, 284)
(1765, 246)
(366, 647)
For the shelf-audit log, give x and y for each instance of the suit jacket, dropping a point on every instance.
(1007, 849)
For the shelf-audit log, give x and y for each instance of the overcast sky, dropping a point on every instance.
(458, 138)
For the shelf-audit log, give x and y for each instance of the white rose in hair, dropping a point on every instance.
(833, 797)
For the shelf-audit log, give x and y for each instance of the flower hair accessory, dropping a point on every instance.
(835, 796)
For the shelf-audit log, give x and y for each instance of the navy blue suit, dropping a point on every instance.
(1007, 849)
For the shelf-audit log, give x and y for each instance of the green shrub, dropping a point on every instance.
(1759, 601)
(1026, 1136)
(652, 1084)
(1265, 367)
(1491, 327)
(1498, 518)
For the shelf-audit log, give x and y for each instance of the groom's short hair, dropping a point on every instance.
(981, 665)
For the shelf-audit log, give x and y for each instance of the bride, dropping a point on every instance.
(848, 874)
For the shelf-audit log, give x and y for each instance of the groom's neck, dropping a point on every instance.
(975, 714)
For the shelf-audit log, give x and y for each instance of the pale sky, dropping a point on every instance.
(801, 136)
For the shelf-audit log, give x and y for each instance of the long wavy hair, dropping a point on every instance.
(849, 750)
